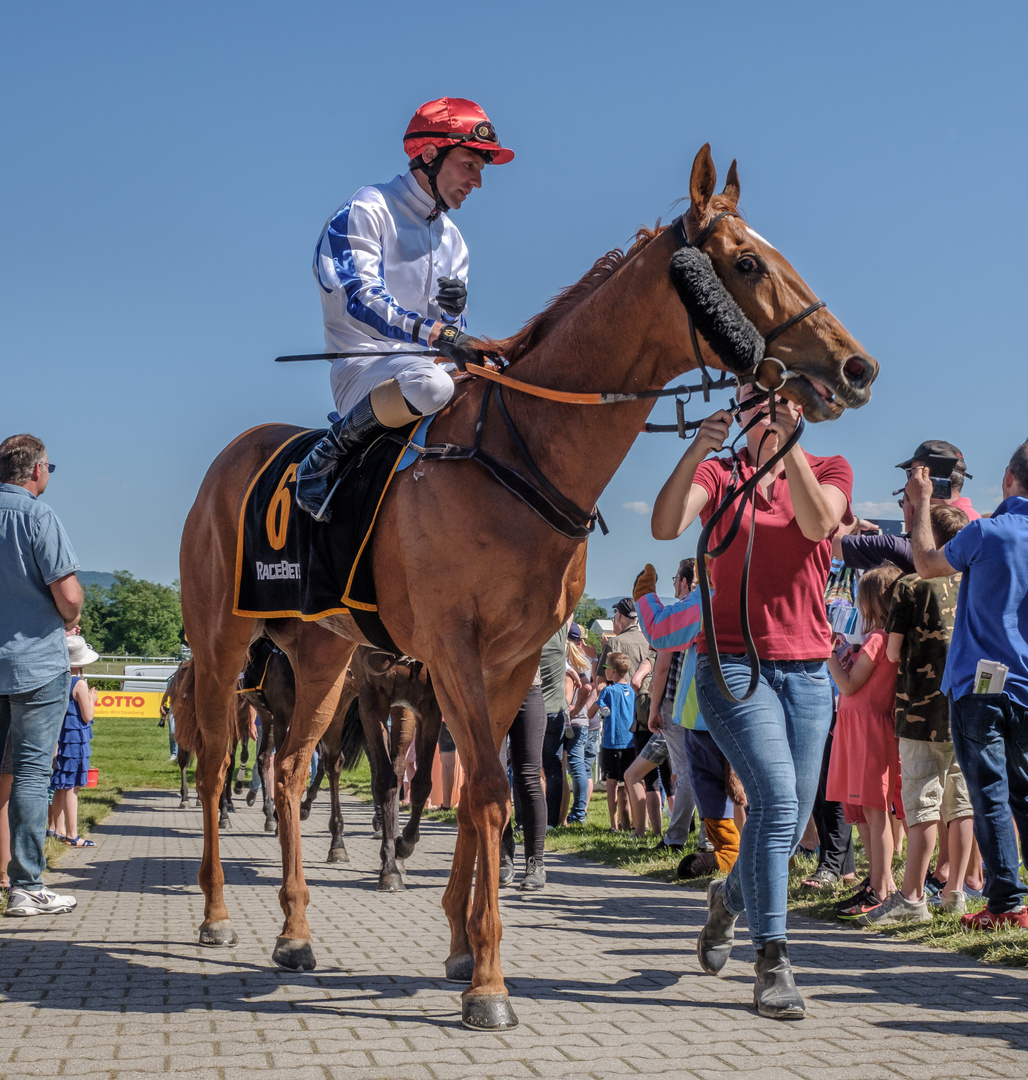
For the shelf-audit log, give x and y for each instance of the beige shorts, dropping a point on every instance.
(933, 784)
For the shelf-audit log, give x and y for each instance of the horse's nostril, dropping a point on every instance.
(859, 371)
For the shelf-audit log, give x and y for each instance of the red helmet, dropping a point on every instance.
(453, 122)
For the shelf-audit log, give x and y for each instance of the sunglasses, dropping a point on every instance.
(50, 466)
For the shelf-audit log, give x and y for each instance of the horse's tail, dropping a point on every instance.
(352, 742)
(183, 705)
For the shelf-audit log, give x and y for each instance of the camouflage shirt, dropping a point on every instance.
(923, 612)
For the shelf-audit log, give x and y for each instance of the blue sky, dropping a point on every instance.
(167, 169)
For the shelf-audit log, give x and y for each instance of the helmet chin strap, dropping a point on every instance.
(431, 170)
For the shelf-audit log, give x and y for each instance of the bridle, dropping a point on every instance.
(682, 240)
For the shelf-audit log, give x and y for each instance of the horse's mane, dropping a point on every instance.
(539, 326)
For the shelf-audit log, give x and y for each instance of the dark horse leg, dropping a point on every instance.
(315, 784)
(426, 739)
(183, 764)
(225, 800)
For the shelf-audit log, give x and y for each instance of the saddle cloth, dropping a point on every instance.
(290, 566)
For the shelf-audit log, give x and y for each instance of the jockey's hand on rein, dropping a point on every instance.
(452, 296)
(456, 346)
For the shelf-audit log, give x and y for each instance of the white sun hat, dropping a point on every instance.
(79, 653)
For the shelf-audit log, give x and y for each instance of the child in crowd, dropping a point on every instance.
(865, 767)
(616, 705)
(920, 626)
(71, 766)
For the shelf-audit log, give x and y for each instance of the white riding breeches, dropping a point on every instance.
(425, 386)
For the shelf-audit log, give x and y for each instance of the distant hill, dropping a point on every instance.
(96, 577)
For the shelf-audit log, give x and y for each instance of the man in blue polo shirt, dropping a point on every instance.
(42, 599)
(989, 730)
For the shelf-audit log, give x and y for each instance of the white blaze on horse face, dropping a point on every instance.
(756, 235)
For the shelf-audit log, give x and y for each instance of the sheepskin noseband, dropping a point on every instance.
(737, 342)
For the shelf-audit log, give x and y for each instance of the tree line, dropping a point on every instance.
(133, 617)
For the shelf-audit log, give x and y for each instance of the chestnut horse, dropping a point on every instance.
(469, 579)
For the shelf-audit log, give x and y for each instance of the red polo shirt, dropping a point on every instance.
(788, 572)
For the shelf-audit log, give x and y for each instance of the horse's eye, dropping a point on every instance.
(748, 264)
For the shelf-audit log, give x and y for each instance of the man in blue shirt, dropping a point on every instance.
(989, 730)
(42, 599)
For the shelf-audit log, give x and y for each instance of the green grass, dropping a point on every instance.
(132, 754)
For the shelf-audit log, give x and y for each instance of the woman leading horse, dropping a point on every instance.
(469, 578)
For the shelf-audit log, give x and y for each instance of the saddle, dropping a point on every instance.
(290, 566)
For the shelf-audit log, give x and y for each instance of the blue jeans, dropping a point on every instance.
(32, 720)
(990, 737)
(774, 742)
(553, 765)
(677, 831)
(575, 747)
(591, 751)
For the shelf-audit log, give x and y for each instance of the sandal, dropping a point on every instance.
(77, 841)
(820, 879)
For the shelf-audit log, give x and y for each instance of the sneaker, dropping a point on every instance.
(862, 905)
(954, 904)
(933, 886)
(897, 910)
(988, 920)
(41, 901)
(847, 902)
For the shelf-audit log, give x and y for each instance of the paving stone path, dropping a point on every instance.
(601, 967)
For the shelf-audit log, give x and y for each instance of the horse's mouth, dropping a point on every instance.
(818, 402)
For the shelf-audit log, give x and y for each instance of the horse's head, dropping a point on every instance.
(825, 367)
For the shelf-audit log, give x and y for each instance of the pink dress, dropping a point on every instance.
(865, 769)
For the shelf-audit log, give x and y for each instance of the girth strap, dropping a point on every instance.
(544, 500)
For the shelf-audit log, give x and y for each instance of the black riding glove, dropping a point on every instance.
(456, 346)
(453, 295)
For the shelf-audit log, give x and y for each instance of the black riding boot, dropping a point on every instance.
(774, 993)
(318, 470)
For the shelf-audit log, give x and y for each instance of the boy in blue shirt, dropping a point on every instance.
(616, 706)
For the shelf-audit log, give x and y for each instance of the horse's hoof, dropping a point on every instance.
(338, 854)
(404, 848)
(390, 883)
(237, 788)
(199, 801)
(487, 1012)
(305, 813)
(294, 954)
(377, 834)
(460, 968)
(224, 823)
(184, 804)
(270, 826)
(217, 935)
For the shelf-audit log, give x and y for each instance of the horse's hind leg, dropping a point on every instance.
(319, 659)
(430, 721)
(401, 735)
(225, 801)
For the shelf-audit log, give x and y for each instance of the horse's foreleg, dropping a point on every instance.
(315, 784)
(389, 753)
(426, 740)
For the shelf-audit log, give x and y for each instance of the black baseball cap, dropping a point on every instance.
(940, 448)
(626, 606)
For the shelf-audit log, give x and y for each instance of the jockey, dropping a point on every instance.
(392, 271)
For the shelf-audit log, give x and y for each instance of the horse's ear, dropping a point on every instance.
(702, 180)
(731, 190)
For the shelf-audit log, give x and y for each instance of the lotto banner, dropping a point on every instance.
(143, 704)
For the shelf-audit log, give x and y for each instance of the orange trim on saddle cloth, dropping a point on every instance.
(260, 685)
(236, 610)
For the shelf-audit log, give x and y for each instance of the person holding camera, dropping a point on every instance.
(988, 722)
